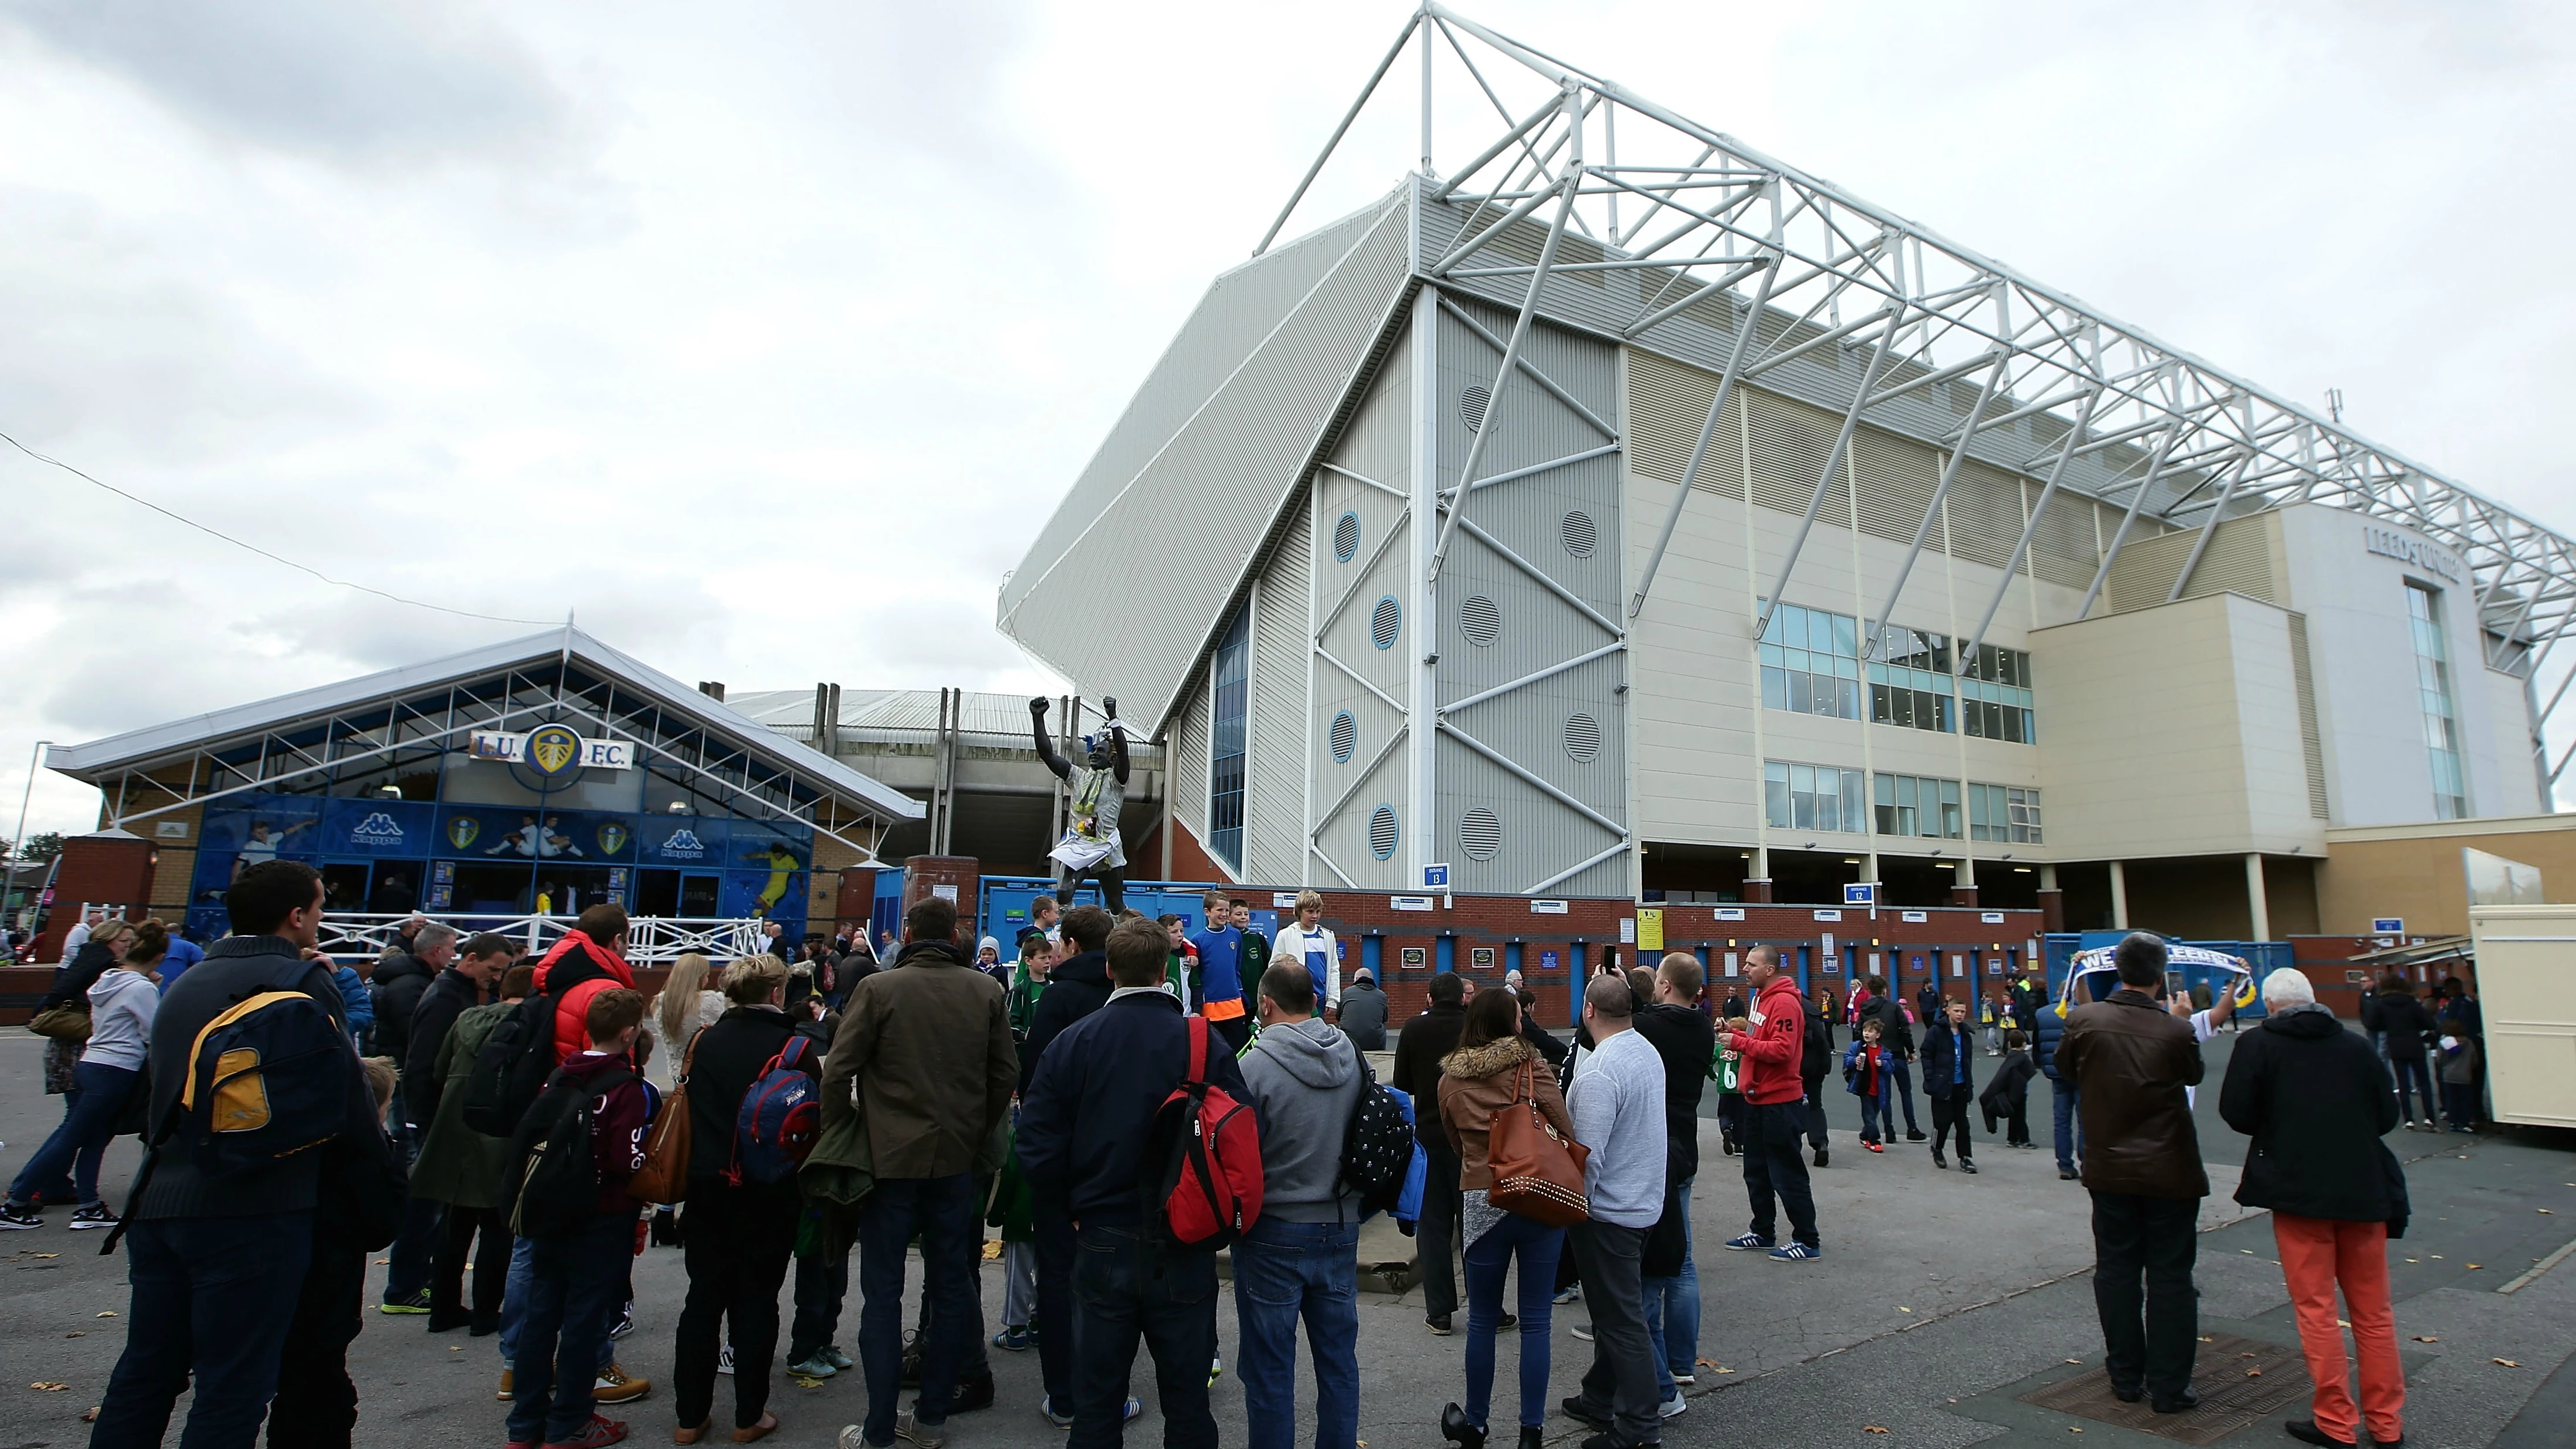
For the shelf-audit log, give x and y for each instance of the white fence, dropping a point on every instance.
(650, 940)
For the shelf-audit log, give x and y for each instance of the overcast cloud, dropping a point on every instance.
(764, 340)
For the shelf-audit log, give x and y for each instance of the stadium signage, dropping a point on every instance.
(552, 750)
(2389, 543)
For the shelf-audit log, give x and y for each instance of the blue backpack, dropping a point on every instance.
(269, 1078)
(780, 1118)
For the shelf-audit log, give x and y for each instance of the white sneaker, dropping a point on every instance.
(724, 1359)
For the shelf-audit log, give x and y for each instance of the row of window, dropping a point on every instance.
(1811, 664)
(1827, 797)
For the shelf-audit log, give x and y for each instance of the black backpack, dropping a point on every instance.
(512, 1068)
(555, 1191)
(1819, 1048)
(1377, 1146)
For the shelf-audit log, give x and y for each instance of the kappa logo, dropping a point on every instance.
(552, 750)
(377, 829)
(683, 845)
(462, 830)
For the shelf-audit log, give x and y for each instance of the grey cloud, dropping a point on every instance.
(346, 81)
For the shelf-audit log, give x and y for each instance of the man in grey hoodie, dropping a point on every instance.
(1301, 1258)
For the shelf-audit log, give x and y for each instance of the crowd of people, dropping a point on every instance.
(527, 1126)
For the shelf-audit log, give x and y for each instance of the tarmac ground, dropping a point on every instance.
(1944, 1303)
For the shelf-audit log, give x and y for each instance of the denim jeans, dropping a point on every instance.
(1672, 1311)
(575, 1283)
(317, 1405)
(2413, 1080)
(2070, 1126)
(1620, 1385)
(212, 1297)
(80, 1140)
(1903, 1077)
(821, 1284)
(1538, 1247)
(407, 1269)
(1284, 1272)
(514, 1303)
(1435, 1237)
(1126, 1289)
(1876, 1115)
(1054, 1318)
(942, 1211)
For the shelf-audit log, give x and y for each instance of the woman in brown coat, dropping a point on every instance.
(1491, 1069)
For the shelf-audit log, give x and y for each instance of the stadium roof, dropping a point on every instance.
(1580, 201)
(561, 674)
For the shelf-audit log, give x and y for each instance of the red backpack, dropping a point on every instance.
(1210, 1187)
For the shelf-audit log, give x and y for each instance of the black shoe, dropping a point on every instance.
(479, 1327)
(1455, 1428)
(1533, 1437)
(1939, 1161)
(2127, 1396)
(2307, 1432)
(1914, 1135)
(2068, 1174)
(970, 1395)
(1583, 1413)
(2181, 1403)
(1508, 1320)
(1609, 1439)
(443, 1321)
(1821, 1155)
(1438, 1323)
(1966, 1166)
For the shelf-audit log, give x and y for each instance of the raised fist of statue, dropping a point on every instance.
(1038, 706)
(1110, 703)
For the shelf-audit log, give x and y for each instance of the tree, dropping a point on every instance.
(44, 846)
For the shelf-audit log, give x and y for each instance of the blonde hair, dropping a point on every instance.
(112, 930)
(1310, 898)
(678, 1003)
(750, 979)
(380, 1080)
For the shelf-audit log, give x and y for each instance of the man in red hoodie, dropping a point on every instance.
(1771, 1043)
(590, 959)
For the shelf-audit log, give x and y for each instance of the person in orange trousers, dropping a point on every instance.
(2316, 1100)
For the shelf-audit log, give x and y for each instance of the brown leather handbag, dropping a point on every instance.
(1538, 1171)
(664, 1177)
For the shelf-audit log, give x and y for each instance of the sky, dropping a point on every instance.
(761, 341)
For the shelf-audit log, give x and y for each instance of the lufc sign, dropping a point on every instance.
(552, 751)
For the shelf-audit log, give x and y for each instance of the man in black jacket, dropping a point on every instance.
(243, 1241)
(1686, 1040)
(1950, 1081)
(399, 980)
(1077, 987)
(1418, 1050)
(426, 1021)
(1813, 1063)
(2316, 1102)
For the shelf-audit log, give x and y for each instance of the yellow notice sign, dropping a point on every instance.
(1650, 928)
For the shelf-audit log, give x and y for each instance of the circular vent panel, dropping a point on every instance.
(1382, 832)
(1471, 406)
(1481, 619)
(1346, 536)
(1582, 736)
(1346, 737)
(1480, 834)
(1383, 624)
(1577, 533)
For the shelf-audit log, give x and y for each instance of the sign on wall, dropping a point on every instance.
(551, 750)
(1860, 893)
(1650, 928)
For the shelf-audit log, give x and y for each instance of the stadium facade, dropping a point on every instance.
(1797, 547)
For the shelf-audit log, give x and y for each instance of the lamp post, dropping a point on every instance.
(18, 842)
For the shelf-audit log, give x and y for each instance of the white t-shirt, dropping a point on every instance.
(1295, 943)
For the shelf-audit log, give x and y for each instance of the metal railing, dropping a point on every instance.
(650, 940)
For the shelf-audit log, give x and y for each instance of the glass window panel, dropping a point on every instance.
(1851, 800)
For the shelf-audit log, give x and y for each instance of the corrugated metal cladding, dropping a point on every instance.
(1190, 760)
(2239, 560)
(1896, 476)
(1376, 445)
(1274, 820)
(1702, 336)
(1227, 458)
(1533, 726)
(2311, 743)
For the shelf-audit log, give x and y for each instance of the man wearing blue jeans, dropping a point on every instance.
(1672, 1320)
(924, 1054)
(1301, 1258)
(1686, 1040)
(2046, 1028)
(1086, 1134)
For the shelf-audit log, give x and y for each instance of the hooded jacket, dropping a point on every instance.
(2316, 1101)
(1076, 989)
(1777, 1044)
(1687, 1041)
(2130, 1059)
(576, 969)
(121, 1004)
(396, 986)
(1477, 1082)
(1304, 1078)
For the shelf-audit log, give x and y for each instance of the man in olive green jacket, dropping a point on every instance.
(924, 1054)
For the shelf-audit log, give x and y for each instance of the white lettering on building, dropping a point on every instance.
(2389, 543)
